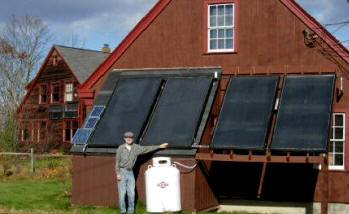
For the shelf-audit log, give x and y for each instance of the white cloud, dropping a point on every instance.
(327, 11)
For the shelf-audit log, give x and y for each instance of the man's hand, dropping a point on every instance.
(163, 145)
(118, 176)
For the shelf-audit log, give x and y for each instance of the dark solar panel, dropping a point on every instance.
(107, 89)
(246, 113)
(81, 136)
(304, 115)
(128, 109)
(178, 112)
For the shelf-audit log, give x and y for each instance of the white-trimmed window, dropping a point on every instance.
(337, 142)
(69, 89)
(221, 27)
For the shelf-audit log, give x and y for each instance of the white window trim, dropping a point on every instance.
(68, 92)
(337, 167)
(22, 134)
(221, 27)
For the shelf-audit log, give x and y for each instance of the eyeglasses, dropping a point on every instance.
(128, 137)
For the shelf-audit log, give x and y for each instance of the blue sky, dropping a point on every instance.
(109, 21)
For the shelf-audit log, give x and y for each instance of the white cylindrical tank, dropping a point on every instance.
(162, 186)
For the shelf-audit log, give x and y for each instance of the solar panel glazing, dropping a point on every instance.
(127, 110)
(97, 111)
(246, 113)
(178, 112)
(81, 136)
(91, 122)
(304, 114)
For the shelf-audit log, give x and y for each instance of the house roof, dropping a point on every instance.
(308, 20)
(81, 61)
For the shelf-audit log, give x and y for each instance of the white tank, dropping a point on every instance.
(162, 186)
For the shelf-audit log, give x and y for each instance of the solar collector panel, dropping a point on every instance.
(127, 110)
(304, 114)
(246, 113)
(178, 112)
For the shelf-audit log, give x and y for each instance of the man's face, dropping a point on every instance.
(128, 140)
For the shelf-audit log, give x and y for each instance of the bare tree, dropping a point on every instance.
(23, 41)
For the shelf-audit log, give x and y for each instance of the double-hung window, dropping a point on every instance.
(221, 27)
(337, 142)
(43, 94)
(68, 93)
(55, 93)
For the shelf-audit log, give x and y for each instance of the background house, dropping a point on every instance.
(50, 112)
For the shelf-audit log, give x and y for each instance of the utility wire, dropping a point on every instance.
(340, 27)
(338, 23)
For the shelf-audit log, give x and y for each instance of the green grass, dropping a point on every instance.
(50, 195)
(48, 190)
(35, 194)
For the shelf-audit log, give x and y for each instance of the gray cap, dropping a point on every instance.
(128, 134)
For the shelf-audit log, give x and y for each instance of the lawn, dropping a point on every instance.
(48, 190)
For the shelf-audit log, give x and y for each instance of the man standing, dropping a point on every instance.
(126, 156)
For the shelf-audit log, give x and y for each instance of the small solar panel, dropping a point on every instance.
(246, 113)
(303, 119)
(178, 112)
(97, 111)
(91, 122)
(81, 136)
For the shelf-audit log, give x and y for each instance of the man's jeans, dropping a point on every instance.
(126, 184)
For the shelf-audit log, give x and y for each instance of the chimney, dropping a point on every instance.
(106, 48)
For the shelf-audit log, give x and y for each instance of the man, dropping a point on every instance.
(126, 156)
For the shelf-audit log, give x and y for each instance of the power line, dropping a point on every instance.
(340, 27)
(338, 23)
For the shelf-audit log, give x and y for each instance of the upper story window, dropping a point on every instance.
(337, 142)
(221, 27)
(55, 93)
(68, 93)
(43, 94)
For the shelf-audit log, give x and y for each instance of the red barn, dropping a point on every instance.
(50, 112)
(252, 91)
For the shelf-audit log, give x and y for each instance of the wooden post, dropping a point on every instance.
(261, 181)
(32, 159)
(325, 187)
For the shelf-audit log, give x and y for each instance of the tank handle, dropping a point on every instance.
(174, 165)
(162, 161)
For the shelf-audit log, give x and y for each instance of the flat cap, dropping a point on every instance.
(128, 134)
